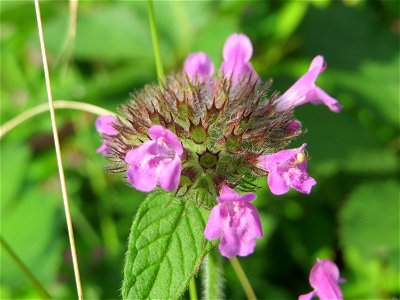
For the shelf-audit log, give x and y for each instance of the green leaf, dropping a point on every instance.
(32, 228)
(166, 247)
(369, 221)
(15, 157)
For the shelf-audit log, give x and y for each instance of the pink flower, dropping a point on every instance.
(157, 161)
(198, 65)
(236, 222)
(324, 278)
(237, 53)
(304, 90)
(104, 125)
(286, 169)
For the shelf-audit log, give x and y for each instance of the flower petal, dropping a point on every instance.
(104, 125)
(142, 177)
(324, 278)
(237, 48)
(306, 185)
(103, 149)
(271, 161)
(253, 222)
(308, 296)
(318, 96)
(277, 183)
(198, 65)
(230, 243)
(304, 90)
(137, 155)
(237, 53)
(157, 131)
(226, 194)
(170, 174)
(213, 228)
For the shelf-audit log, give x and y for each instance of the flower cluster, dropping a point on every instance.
(213, 134)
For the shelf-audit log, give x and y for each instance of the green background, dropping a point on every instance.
(352, 216)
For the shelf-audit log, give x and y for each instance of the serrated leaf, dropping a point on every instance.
(369, 221)
(166, 247)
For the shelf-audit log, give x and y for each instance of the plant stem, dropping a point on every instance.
(58, 154)
(212, 276)
(154, 37)
(38, 286)
(243, 279)
(58, 104)
(192, 289)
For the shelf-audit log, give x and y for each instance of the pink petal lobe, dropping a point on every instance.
(137, 155)
(103, 149)
(213, 228)
(306, 186)
(170, 174)
(237, 47)
(308, 296)
(198, 65)
(104, 125)
(237, 53)
(318, 63)
(277, 183)
(229, 245)
(142, 177)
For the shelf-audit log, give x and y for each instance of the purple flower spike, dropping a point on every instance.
(324, 278)
(237, 53)
(305, 90)
(157, 161)
(286, 169)
(236, 222)
(198, 65)
(105, 127)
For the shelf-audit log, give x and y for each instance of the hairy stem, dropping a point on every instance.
(243, 279)
(212, 276)
(58, 104)
(24, 269)
(154, 37)
(58, 154)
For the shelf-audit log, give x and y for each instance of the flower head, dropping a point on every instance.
(286, 169)
(304, 90)
(157, 161)
(237, 53)
(198, 65)
(236, 222)
(324, 278)
(104, 125)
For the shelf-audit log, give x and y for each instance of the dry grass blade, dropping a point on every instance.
(58, 153)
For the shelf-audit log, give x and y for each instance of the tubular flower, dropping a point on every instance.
(237, 53)
(156, 161)
(236, 222)
(104, 125)
(198, 65)
(304, 90)
(324, 278)
(286, 169)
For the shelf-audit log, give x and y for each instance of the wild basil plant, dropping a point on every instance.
(197, 144)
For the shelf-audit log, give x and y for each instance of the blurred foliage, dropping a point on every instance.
(352, 216)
